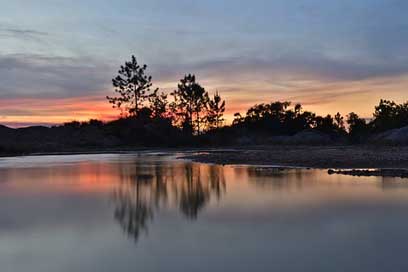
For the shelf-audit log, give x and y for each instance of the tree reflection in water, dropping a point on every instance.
(145, 189)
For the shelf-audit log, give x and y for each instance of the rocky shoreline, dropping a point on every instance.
(399, 173)
(390, 161)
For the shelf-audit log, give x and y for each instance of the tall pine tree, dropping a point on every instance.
(132, 85)
(190, 100)
(215, 111)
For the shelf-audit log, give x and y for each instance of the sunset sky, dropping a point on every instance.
(57, 58)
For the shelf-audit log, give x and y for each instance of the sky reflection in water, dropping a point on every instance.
(154, 213)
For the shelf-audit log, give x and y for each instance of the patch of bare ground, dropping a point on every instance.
(339, 157)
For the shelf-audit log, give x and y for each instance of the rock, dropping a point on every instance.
(305, 137)
(402, 173)
(310, 136)
(395, 136)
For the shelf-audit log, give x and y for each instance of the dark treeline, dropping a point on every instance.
(278, 118)
(190, 116)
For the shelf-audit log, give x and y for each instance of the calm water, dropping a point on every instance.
(150, 212)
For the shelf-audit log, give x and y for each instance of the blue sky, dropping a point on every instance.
(329, 55)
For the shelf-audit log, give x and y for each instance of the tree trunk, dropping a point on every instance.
(198, 122)
(136, 103)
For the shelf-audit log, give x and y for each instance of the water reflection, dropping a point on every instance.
(144, 190)
(68, 215)
(282, 178)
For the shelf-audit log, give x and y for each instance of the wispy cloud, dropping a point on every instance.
(22, 34)
(25, 75)
(328, 55)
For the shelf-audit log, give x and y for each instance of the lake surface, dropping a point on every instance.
(152, 212)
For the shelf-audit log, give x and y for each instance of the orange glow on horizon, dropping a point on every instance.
(55, 111)
(315, 95)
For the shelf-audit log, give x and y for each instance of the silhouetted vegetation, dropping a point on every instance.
(359, 130)
(389, 115)
(132, 86)
(277, 118)
(190, 116)
(216, 109)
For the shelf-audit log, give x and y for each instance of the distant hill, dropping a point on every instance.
(93, 135)
(5, 129)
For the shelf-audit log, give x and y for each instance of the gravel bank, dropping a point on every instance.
(346, 157)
